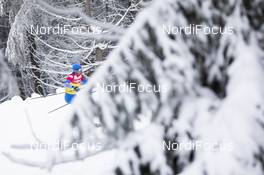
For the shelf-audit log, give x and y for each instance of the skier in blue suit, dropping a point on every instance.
(73, 82)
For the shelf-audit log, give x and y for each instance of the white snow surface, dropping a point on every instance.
(19, 119)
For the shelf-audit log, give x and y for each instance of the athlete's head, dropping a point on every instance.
(77, 68)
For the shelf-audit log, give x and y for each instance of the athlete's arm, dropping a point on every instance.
(68, 81)
(84, 79)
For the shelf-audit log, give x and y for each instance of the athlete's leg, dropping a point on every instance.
(69, 98)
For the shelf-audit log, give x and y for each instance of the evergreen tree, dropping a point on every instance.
(212, 91)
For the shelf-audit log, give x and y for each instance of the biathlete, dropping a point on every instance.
(73, 82)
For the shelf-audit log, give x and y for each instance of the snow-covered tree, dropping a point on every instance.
(8, 85)
(211, 91)
(205, 89)
(45, 59)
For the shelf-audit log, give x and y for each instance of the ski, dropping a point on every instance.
(57, 108)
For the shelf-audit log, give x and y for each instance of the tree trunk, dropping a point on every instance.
(88, 8)
(99, 54)
(98, 51)
(36, 82)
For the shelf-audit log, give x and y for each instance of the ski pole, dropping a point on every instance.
(57, 108)
(63, 105)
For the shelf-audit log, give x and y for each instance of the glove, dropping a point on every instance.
(76, 88)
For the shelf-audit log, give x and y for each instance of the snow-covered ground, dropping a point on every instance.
(25, 123)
